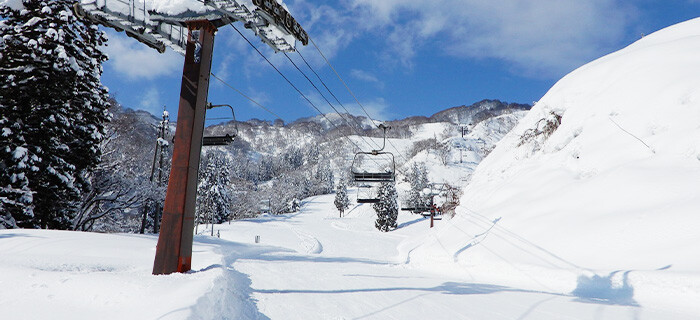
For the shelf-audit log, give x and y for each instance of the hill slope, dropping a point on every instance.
(598, 183)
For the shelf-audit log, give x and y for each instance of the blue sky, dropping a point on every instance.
(402, 57)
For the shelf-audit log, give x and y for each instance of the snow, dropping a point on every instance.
(590, 216)
(73, 275)
(608, 203)
(168, 7)
(175, 7)
(15, 5)
(308, 265)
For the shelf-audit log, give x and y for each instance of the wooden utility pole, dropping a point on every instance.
(174, 251)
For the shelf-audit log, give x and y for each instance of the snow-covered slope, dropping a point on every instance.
(597, 185)
(79, 275)
(311, 264)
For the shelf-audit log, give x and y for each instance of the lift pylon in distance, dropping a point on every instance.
(189, 32)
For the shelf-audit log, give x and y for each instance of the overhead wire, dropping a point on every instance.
(245, 96)
(353, 94)
(359, 125)
(292, 84)
(322, 95)
(504, 230)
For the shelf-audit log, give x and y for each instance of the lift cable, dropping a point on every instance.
(245, 96)
(352, 93)
(339, 77)
(359, 125)
(292, 84)
(324, 98)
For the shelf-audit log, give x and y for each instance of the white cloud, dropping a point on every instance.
(366, 76)
(137, 61)
(544, 36)
(377, 108)
(151, 101)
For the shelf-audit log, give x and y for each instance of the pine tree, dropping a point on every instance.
(324, 178)
(417, 176)
(213, 192)
(52, 108)
(341, 197)
(387, 209)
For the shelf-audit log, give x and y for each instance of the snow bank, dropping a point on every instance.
(12, 4)
(597, 184)
(80, 275)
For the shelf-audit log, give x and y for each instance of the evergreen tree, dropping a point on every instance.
(387, 209)
(52, 108)
(213, 192)
(324, 178)
(341, 197)
(417, 177)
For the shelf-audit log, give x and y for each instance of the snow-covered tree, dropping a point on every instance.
(120, 184)
(52, 108)
(213, 192)
(6, 220)
(341, 197)
(387, 209)
(417, 176)
(324, 178)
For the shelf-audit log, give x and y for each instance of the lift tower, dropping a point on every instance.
(190, 31)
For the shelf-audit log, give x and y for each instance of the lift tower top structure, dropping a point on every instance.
(188, 27)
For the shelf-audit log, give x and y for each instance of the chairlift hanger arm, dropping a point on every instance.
(385, 128)
(270, 22)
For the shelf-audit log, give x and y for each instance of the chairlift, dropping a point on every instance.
(418, 208)
(221, 140)
(366, 194)
(374, 175)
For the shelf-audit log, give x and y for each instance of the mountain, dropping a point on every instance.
(595, 191)
(279, 164)
(477, 112)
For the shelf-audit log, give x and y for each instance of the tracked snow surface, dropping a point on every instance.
(595, 192)
(586, 210)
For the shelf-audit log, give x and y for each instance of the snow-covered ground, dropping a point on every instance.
(586, 210)
(606, 202)
(308, 265)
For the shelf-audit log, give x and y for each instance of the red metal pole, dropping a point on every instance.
(174, 251)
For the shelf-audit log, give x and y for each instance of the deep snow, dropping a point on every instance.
(596, 221)
(308, 265)
(608, 203)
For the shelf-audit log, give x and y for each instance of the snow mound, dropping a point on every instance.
(81, 275)
(597, 184)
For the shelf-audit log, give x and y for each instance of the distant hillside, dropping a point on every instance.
(279, 164)
(477, 112)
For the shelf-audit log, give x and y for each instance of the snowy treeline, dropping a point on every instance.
(52, 112)
(65, 166)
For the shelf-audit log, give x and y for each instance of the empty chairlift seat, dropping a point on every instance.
(221, 140)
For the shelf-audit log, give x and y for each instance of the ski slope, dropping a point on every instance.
(311, 264)
(605, 202)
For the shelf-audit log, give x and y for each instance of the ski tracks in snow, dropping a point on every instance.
(310, 243)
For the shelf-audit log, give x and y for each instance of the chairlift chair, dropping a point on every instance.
(374, 175)
(419, 208)
(221, 140)
(366, 194)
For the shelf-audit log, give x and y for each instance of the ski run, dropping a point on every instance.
(586, 209)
